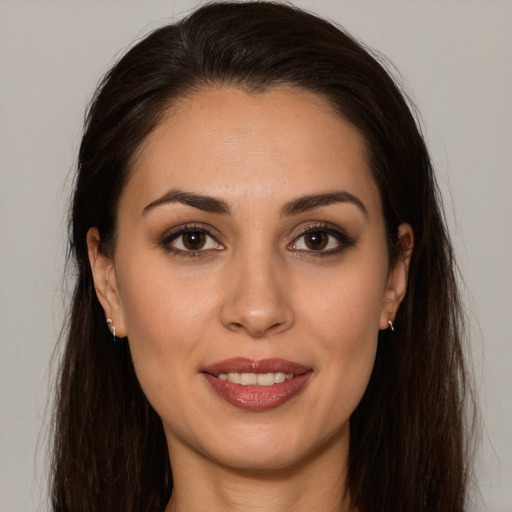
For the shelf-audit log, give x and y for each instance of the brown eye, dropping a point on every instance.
(320, 241)
(191, 240)
(316, 240)
(194, 240)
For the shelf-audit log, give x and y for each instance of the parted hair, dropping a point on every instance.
(409, 438)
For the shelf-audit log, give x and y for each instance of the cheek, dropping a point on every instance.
(344, 316)
(346, 302)
(157, 298)
(165, 316)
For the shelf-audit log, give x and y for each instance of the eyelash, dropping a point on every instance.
(180, 231)
(344, 241)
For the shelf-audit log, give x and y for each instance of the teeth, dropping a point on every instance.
(233, 377)
(279, 377)
(249, 379)
(265, 379)
(255, 379)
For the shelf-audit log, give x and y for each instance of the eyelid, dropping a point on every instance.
(345, 241)
(175, 232)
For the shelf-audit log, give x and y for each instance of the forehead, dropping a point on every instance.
(279, 144)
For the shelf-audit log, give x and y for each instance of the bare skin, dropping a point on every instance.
(251, 227)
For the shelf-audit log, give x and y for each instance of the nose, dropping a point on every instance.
(257, 300)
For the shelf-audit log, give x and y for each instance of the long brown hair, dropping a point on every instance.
(408, 446)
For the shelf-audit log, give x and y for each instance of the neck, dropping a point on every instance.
(315, 483)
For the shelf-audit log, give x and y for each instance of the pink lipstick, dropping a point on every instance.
(256, 385)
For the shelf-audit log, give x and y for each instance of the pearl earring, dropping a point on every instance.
(112, 327)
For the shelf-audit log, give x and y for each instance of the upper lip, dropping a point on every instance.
(247, 365)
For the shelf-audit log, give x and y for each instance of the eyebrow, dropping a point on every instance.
(305, 203)
(202, 202)
(294, 207)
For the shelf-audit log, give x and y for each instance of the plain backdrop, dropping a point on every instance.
(455, 58)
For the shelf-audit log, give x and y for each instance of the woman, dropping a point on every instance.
(265, 314)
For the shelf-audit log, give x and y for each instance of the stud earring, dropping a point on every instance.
(391, 326)
(111, 327)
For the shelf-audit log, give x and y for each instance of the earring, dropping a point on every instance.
(391, 326)
(111, 327)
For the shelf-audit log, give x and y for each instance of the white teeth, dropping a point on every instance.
(233, 377)
(255, 379)
(280, 377)
(265, 379)
(248, 379)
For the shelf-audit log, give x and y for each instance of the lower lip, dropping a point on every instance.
(258, 398)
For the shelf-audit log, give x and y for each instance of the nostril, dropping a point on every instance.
(256, 307)
(275, 326)
(256, 330)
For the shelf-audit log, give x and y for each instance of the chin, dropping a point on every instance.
(267, 449)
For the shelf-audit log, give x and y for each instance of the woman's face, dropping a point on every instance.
(251, 276)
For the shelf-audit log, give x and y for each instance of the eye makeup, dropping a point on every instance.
(192, 240)
(322, 239)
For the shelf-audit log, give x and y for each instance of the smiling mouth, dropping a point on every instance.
(256, 379)
(257, 385)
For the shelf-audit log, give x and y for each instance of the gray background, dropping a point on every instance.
(454, 55)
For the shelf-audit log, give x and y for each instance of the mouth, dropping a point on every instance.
(255, 379)
(257, 385)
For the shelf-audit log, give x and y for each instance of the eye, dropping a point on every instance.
(322, 240)
(189, 240)
(318, 240)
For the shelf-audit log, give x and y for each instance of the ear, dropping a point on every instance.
(105, 282)
(397, 277)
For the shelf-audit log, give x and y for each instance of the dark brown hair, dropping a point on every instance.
(408, 446)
